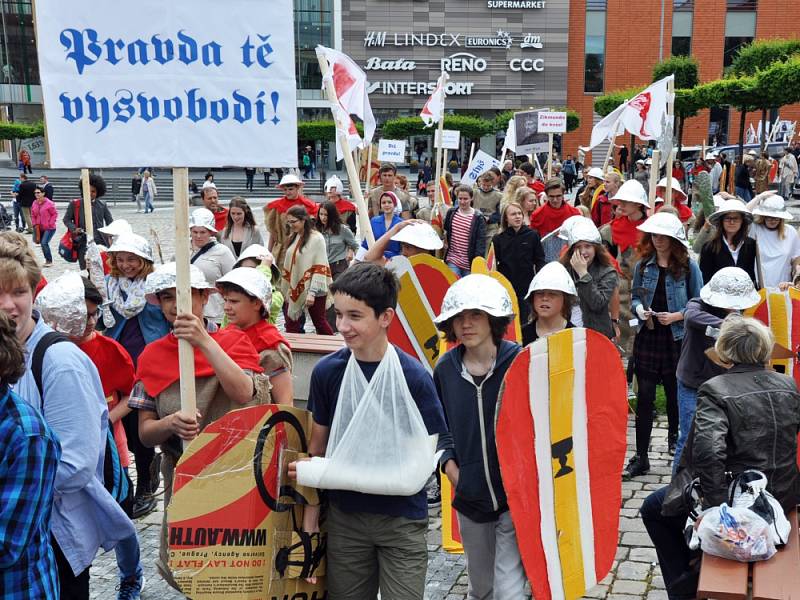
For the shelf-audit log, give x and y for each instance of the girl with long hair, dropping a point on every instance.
(664, 280)
(339, 241)
(551, 295)
(730, 246)
(526, 198)
(241, 230)
(306, 274)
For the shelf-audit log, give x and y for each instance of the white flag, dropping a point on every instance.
(510, 143)
(645, 116)
(433, 111)
(350, 83)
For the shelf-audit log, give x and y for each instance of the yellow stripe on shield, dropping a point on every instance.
(479, 265)
(562, 376)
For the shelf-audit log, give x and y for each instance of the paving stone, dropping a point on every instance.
(624, 586)
(647, 555)
(598, 591)
(657, 582)
(635, 538)
(657, 595)
(631, 525)
(635, 571)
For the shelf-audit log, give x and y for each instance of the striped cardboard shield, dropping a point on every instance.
(233, 519)
(776, 311)
(481, 266)
(561, 438)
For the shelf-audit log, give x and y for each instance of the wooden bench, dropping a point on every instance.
(775, 579)
(307, 349)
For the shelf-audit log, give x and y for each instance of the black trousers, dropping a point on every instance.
(679, 565)
(645, 408)
(73, 587)
(143, 455)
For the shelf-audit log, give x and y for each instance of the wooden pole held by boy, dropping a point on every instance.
(654, 169)
(183, 289)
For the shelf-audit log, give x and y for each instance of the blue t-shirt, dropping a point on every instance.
(326, 379)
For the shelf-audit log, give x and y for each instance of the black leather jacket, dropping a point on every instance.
(747, 418)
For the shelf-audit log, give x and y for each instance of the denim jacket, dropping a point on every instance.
(678, 292)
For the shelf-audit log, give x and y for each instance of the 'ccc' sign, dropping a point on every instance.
(526, 64)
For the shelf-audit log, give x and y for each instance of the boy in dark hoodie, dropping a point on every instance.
(475, 313)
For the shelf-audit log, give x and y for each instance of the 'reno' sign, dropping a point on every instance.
(177, 84)
(393, 151)
(552, 122)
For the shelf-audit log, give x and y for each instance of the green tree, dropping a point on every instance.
(20, 131)
(471, 127)
(320, 130)
(501, 119)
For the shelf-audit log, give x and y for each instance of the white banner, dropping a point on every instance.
(168, 84)
(451, 139)
(393, 151)
(552, 122)
(481, 163)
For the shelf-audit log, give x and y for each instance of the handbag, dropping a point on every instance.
(69, 242)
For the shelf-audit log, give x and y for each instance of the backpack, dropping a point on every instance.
(114, 477)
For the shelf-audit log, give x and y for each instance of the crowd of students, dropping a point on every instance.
(101, 376)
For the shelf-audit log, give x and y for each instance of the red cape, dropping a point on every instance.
(265, 336)
(344, 206)
(624, 233)
(546, 218)
(39, 286)
(158, 364)
(537, 186)
(684, 212)
(284, 204)
(221, 219)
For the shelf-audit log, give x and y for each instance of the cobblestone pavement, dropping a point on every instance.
(635, 574)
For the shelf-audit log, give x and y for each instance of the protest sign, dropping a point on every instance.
(480, 163)
(526, 127)
(450, 137)
(122, 88)
(393, 151)
(552, 122)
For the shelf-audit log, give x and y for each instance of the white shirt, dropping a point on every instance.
(776, 254)
(734, 251)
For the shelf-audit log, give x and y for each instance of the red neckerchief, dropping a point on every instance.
(546, 218)
(221, 219)
(284, 204)
(158, 364)
(344, 206)
(537, 186)
(624, 233)
(265, 336)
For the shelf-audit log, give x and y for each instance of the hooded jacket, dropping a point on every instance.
(470, 411)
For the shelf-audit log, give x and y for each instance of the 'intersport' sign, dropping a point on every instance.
(121, 88)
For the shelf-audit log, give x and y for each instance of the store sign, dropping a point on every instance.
(463, 62)
(526, 65)
(530, 40)
(393, 151)
(502, 39)
(552, 122)
(398, 64)
(450, 137)
(419, 88)
(515, 3)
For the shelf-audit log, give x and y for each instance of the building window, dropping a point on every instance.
(740, 27)
(718, 125)
(18, 49)
(595, 53)
(313, 22)
(682, 13)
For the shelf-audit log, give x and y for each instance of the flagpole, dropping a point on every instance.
(611, 141)
(352, 173)
(673, 151)
(369, 168)
(654, 170)
(549, 155)
(439, 159)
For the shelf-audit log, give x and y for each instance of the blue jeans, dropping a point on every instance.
(128, 562)
(744, 194)
(148, 203)
(687, 403)
(458, 270)
(47, 235)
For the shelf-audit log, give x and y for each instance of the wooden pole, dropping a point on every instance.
(611, 145)
(654, 170)
(703, 151)
(668, 177)
(369, 168)
(87, 206)
(549, 155)
(352, 173)
(471, 153)
(440, 162)
(183, 289)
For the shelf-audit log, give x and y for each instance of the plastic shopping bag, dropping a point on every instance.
(749, 490)
(378, 442)
(734, 533)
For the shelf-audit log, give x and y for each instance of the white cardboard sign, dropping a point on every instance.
(451, 139)
(393, 151)
(481, 163)
(151, 83)
(552, 122)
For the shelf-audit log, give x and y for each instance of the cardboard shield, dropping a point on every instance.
(561, 438)
(481, 266)
(234, 519)
(776, 311)
(424, 281)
